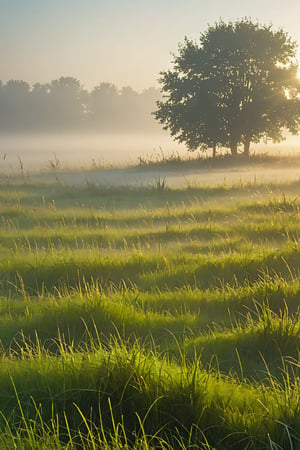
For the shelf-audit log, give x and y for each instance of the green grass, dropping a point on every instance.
(149, 317)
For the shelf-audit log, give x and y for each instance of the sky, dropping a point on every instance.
(126, 42)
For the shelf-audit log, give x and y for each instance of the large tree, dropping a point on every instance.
(237, 85)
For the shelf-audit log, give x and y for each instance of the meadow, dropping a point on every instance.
(144, 317)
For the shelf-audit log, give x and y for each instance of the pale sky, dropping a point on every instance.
(126, 42)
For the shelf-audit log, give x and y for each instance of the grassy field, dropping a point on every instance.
(149, 317)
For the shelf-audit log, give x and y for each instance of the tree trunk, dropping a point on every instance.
(247, 147)
(214, 149)
(233, 148)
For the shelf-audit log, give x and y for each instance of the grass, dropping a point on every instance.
(173, 160)
(144, 318)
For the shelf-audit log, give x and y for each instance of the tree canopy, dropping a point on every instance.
(235, 86)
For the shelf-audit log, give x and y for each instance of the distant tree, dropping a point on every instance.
(14, 105)
(103, 106)
(39, 107)
(128, 109)
(110, 108)
(135, 109)
(147, 102)
(66, 103)
(237, 86)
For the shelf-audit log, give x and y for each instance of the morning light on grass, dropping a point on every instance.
(149, 317)
(149, 279)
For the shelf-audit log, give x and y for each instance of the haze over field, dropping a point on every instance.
(126, 42)
(99, 48)
(77, 150)
(102, 150)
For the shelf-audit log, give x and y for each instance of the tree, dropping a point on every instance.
(103, 106)
(237, 86)
(14, 105)
(66, 103)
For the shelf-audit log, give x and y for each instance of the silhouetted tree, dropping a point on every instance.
(237, 86)
(191, 112)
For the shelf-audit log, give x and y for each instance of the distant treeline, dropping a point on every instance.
(64, 104)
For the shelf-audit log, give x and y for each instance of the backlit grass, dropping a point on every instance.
(149, 318)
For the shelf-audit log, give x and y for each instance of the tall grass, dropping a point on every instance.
(149, 318)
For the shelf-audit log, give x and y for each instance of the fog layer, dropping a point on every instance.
(95, 150)
(84, 150)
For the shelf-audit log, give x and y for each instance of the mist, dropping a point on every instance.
(61, 124)
(61, 121)
(84, 150)
(37, 151)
